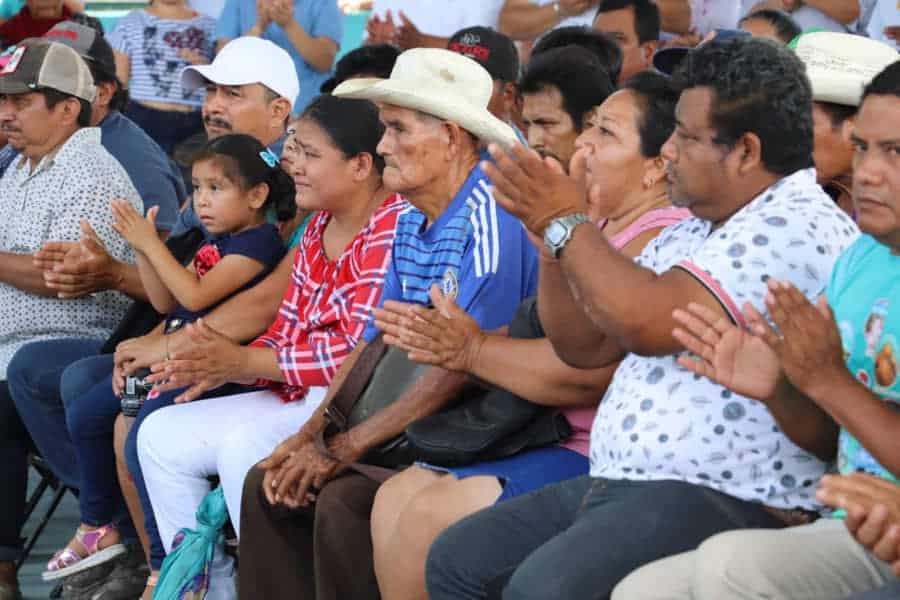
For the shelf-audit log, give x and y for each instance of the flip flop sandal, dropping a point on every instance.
(67, 562)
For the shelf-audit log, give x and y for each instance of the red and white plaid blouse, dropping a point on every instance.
(329, 302)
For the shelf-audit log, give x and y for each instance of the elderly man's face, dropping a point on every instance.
(876, 168)
(414, 147)
(548, 127)
(244, 109)
(30, 126)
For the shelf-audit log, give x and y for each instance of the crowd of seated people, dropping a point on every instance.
(554, 299)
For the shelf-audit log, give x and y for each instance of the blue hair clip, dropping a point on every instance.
(269, 158)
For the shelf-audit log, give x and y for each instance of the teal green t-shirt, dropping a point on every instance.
(864, 293)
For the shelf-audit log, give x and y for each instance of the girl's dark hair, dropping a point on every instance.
(352, 125)
(248, 163)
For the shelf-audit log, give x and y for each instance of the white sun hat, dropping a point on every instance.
(244, 61)
(840, 65)
(439, 83)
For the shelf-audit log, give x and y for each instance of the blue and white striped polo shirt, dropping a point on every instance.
(474, 249)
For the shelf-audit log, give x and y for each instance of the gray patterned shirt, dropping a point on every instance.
(78, 182)
(660, 421)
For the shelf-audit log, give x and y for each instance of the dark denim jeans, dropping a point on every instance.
(579, 538)
(167, 128)
(32, 417)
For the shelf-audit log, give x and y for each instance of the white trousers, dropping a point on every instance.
(180, 446)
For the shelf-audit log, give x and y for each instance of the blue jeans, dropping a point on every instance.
(168, 128)
(579, 538)
(32, 417)
(90, 419)
(34, 377)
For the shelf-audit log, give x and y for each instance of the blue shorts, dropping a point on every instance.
(526, 471)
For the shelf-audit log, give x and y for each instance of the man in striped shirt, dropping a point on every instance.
(455, 237)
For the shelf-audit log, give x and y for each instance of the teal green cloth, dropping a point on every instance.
(298, 233)
(185, 572)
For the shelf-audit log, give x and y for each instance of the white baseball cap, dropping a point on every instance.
(244, 61)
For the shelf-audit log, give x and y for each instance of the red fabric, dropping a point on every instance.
(24, 26)
(205, 259)
(329, 302)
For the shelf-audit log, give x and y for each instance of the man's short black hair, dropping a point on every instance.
(120, 98)
(658, 99)
(602, 45)
(837, 113)
(576, 73)
(646, 17)
(374, 60)
(886, 83)
(758, 87)
(53, 97)
(786, 28)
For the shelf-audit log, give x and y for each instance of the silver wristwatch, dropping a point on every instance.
(559, 232)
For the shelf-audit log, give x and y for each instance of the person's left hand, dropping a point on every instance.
(282, 12)
(809, 348)
(872, 505)
(138, 231)
(210, 361)
(445, 336)
(295, 482)
(76, 269)
(534, 190)
(892, 32)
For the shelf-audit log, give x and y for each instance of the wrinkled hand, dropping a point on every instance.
(872, 505)
(295, 481)
(210, 360)
(408, 35)
(381, 31)
(534, 190)
(809, 348)
(727, 354)
(138, 231)
(444, 336)
(136, 353)
(76, 269)
(282, 12)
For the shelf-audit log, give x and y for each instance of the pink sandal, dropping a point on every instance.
(68, 562)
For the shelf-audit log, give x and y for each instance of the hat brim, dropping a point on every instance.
(9, 85)
(476, 120)
(197, 76)
(667, 60)
(836, 88)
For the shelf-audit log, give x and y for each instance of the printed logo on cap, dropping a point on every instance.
(14, 61)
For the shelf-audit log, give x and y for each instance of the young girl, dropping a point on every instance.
(152, 46)
(235, 181)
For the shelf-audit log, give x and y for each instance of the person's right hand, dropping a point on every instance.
(381, 30)
(76, 269)
(727, 354)
(444, 336)
(892, 32)
(136, 353)
(872, 505)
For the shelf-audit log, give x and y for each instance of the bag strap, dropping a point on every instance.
(345, 399)
(338, 412)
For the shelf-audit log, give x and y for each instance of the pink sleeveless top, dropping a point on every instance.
(581, 419)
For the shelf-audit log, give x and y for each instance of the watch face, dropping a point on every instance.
(555, 233)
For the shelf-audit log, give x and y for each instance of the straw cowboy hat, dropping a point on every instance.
(840, 65)
(439, 83)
